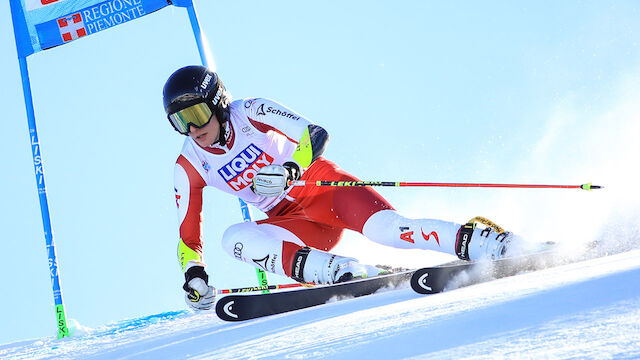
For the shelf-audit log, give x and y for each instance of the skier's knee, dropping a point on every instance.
(381, 226)
(232, 239)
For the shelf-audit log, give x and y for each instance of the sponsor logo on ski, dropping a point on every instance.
(239, 172)
(422, 281)
(227, 309)
(272, 264)
(272, 110)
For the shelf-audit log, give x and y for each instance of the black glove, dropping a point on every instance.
(198, 294)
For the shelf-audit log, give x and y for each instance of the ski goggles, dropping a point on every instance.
(197, 115)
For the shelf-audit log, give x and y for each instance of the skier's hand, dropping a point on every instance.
(273, 179)
(198, 294)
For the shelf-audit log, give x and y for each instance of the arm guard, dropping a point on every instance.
(187, 256)
(312, 144)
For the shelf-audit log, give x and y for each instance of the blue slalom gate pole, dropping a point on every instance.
(205, 56)
(44, 203)
(207, 61)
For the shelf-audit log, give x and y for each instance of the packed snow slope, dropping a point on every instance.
(586, 309)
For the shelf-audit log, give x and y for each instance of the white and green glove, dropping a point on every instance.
(273, 179)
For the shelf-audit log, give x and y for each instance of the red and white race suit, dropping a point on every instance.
(262, 132)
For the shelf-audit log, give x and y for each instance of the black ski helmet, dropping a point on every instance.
(195, 84)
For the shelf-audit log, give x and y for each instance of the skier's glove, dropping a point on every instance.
(198, 294)
(272, 180)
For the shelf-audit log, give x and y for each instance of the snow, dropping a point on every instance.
(587, 309)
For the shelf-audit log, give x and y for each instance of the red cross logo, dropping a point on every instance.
(71, 27)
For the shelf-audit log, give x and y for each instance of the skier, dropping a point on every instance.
(253, 148)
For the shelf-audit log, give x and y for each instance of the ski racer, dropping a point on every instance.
(253, 148)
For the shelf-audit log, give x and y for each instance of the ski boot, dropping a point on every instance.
(312, 265)
(491, 242)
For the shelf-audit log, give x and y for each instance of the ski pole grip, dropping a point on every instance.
(590, 187)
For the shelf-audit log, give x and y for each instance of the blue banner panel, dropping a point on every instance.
(43, 24)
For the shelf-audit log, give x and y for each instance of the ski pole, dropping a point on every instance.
(262, 288)
(588, 186)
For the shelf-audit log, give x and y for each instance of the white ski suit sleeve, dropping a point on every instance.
(267, 115)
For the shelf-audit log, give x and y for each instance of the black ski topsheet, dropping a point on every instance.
(431, 280)
(245, 307)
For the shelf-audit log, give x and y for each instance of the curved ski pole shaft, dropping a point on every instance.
(587, 186)
(262, 288)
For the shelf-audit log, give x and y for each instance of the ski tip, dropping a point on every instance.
(590, 187)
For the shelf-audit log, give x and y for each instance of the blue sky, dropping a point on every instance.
(540, 92)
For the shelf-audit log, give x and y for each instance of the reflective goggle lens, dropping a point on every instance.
(197, 115)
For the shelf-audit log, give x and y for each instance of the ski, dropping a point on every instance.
(428, 280)
(431, 280)
(251, 306)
